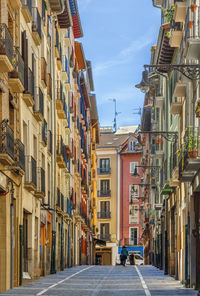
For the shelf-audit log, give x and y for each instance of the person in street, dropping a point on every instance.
(132, 259)
(123, 256)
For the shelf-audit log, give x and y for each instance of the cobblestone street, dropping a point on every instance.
(104, 281)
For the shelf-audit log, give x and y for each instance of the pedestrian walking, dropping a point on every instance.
(123, 256)
(132, 259)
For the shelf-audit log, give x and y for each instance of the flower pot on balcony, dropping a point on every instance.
(193, 7)
(166, 26)
(190, 24)
(192, 154)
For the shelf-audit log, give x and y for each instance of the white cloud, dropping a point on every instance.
(127, 53)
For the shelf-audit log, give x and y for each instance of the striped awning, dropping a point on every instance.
(65, 18)
(80, 56)
(77, 28)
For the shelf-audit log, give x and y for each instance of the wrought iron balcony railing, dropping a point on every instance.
(39, 102)
(44, 70)
(19, 154)
(6, 42)
(104, 236)
(44, 132)
(41, 180)
(104, 171)
(58, 198)
(36, 22)
(104, 215)
(104, 193)
(49, 85)
(29, 81)
(49, 141)
(7, 140)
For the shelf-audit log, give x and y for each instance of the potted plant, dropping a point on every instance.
(169, 13)
(193, 7)
(190, 24)
(191, 142)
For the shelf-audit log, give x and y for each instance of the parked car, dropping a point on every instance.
(138, 257)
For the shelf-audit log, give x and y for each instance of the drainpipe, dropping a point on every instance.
(11, 233)
(53, 158)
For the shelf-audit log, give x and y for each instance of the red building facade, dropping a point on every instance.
(131, 203)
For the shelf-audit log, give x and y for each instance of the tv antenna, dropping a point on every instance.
(115, 114)
(137, 111)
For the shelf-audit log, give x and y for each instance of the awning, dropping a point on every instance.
(80, 56)
(77, 28)
(65, 18)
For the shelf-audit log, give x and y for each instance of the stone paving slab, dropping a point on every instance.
(104, 281)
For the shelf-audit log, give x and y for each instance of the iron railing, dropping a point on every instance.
(104, 215)
(58, 198)
(19, 154)
(29, 81)
(49, 85)
(6, 42)
(62, 201)
(104, 193)
(104, 171)
(104, 236)
(44, 132)
(39, 101)
(36, 22)
(20, 67)
(7, 140)
(61, 149)
(30, 170)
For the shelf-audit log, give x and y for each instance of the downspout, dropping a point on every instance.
(53, 157)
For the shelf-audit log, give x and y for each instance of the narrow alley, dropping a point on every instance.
(104, 280)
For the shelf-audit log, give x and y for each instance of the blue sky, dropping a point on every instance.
(118, 35)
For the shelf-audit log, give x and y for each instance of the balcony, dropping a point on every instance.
(104, 236)
(19, 157)
(62, 202)
(16, 4)
(189, 159)
(49, 142)
(180, 89)
(56, 5)
(36, 26)
(44, 72)
(175, 38)
(192, 34)
(104, 171)
(6, 49)
(104, 193)
(28, 95)
(38, 108)
(7, 144)
(30, 181)
(104, 215)
(174, 180)
(40, 191)
(64, 72)
(176, 107)
(49, 86)
(159, 102)
(180, 12)
(60, 103)
(61, 153)
(44, 132)
(27, 10)
(16, 77)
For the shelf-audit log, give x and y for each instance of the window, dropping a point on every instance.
(105, 231)
(105, 185)
(134, 214)
(133, 192)
(133, 236)
(133, 167)
(104, 165)
(132, 146)
(105, 206)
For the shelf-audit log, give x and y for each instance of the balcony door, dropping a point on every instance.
(104, 230)
(104, 165)
(133, 236)
(105, 206)
(105, 186)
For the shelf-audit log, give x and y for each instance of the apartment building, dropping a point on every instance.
(171, 238)
(131, 199)
(48, 119)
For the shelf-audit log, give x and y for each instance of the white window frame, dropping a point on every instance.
(130, 228)
(134, 215)
(133, 195)
(133, 164)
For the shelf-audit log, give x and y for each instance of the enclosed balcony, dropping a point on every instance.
(28, 95)
(44, 132)
(7, 144)
(19, 157)
(176, 107)
(104, 215)
(40, 190)
(192, 34)
(56, 5)
(104, 193)
(189, 158)
(60, 103)
(38, 108)
(36, 26)
(159, 101)
(27, 10)
(180, 12)
(6, 49)
(30, 180)
(44, 72)
(16, 77)
(176, 38)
